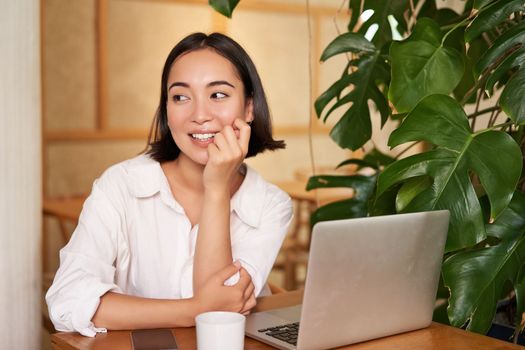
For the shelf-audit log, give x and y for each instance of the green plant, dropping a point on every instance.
(446, 63)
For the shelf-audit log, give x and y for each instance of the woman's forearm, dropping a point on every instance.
(213, 247)
(119, 311)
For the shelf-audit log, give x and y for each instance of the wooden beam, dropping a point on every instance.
(264, 6)
(101, 51)
(95, 135)
(43, 99)
(142, 134)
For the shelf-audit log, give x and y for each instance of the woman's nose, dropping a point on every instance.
(201, 112)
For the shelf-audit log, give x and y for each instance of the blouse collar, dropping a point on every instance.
(147, 179)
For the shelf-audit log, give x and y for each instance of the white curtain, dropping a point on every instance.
(20, 174)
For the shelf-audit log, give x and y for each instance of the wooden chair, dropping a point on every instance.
(65, 210)
(295, 249)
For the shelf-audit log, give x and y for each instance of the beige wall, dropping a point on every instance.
(20, 186)
(101, 76)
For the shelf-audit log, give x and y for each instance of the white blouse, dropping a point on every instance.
(133, 237)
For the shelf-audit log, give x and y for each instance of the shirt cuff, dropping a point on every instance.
(78, 318)
(255, 276)
(87, 306)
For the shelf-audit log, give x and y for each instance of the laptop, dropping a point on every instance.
(367, 278)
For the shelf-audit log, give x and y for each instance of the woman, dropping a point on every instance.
(157, 236)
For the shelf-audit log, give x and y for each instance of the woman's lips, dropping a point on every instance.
(202, 140)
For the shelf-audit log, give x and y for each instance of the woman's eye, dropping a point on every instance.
(218, 95)
(180, 98)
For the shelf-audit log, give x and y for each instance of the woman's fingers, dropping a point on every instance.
(249, 291)
(249, 304)
(244, 134)
(233, 142)
(228, 146)
(228, 271)
(249, 297)
(220, 142)
(244, 279)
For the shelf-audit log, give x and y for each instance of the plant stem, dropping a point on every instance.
(349, 56)
(473, 124)
(406, 149)
(359, 22)
(502, 125)
(310, 92)
(493, 118)
(451, 25)
(414, 15)
(484, 76)
(483, 111)
(462, 23)
(486, 37)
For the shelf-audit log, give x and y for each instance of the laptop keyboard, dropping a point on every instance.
(287, 332)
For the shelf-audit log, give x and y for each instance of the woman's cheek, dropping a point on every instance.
(226, 116)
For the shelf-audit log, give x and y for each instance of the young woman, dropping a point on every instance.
(187, 227)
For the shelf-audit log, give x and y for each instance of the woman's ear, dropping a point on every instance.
(248, 115)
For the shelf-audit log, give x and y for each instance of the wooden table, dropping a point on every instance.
(435, 337)
(297, 190)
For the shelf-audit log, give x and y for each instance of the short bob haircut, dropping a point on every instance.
(161, 145)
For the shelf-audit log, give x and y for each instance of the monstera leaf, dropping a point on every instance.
(374, 159)
(347, 42)
(512, 99)
(355, 128)
(512, 61)
(476, 277)
(354, 207)
(382, 9)
(491, 16)
(492, 155)
(224, 7)
(478, 4)
(519, 288)
(504, 45)
(422, 66)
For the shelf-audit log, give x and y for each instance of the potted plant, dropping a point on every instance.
(445, 64)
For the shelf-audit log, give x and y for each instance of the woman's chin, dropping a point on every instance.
(201, 160)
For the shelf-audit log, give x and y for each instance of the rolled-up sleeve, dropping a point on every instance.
(258, 250)
(86, 267)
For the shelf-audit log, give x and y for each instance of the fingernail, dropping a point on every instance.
(237, 263)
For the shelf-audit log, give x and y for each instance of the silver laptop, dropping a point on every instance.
(367, 278)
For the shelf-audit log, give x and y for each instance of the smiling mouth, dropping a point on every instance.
(203, 137)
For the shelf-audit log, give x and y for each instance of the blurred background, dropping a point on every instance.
(101, 64)
(101, 68)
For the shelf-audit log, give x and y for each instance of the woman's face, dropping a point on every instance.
(205, 94)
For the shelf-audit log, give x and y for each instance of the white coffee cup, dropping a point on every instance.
(220, 330)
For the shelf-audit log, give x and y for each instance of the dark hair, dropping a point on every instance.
(161, 145)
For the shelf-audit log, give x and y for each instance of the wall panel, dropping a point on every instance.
(73, 166)
(278, 44)
(140, 36)
(119, 48)
(69, 77)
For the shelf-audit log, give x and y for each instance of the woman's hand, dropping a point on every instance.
(226, 154)
(215, 296)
